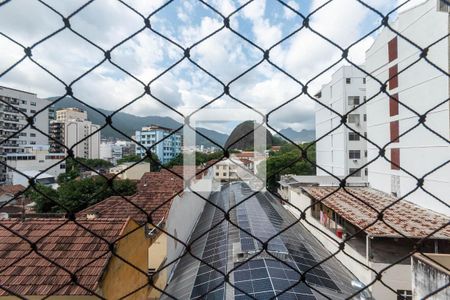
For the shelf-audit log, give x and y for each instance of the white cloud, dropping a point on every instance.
(185, 87)
(288, 13)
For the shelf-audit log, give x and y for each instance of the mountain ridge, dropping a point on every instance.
(128, 123)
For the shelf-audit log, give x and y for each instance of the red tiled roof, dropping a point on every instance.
(406, 217)
(11, 189)
(155, 192)
(139, 206)
(68, 245)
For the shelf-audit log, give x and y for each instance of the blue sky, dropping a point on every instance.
(185, 87)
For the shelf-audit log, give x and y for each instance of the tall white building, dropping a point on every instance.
(423, 89)
(14, 105)
(342, 152)
(72, 127)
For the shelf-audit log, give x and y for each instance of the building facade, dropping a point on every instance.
(370, 245)
(34, 160)
(71, 128)
(166, 150)
(111, 152)
(413, 89)
(343, 151)
(15, 107)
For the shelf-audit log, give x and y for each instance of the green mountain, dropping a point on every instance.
(128, 123)
(299, 136)
(241, 138)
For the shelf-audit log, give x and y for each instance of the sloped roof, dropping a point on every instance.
(405, 217)
(155, 192)
(11, 189)
(24, 272)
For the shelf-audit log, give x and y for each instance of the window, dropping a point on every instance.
(32, 103)
(353, 100)
(366, 172)
(356, 172)
(32, 143)
(32, 111)
(404, 295)
(353, 136)
(354, 154)
(217, 173)
(224, 174)
(348, 80)
(23, 109)
(365, 118)
(364, 80)
(32, 134)
(365, 134)
(23, 134)
(23, 101)
(365, 153)
(353, 118)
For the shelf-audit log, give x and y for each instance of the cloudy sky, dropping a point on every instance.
(185, 87)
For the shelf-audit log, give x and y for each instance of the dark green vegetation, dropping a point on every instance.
(128, 123)
(154, 166)
(74, 167)
(289, 161)
(298, 136)
(243, 138)
(200, 158)
(75, 195)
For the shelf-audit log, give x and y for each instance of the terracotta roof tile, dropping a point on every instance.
(407, 218)
(26, 273)
(11, 189)
(155, 192)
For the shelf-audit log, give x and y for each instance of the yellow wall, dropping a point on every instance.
(121, 278)
(157, 254)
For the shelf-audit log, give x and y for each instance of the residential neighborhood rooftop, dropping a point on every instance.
(361, 206)
(61, 242)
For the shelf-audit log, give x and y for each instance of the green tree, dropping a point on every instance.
(288, 161)
(76, 195)
(135, 158)
(79, 194)
(45, 198)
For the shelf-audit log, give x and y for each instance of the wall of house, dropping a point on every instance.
(398, 277)
(120, 278)
(421, 87)
(427, 279)
(353, 260)
(156, 258)
(183, 215)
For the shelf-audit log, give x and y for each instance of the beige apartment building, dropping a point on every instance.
(73, 129)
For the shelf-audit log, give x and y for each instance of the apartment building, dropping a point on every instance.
(71, 128)
(111, 152)
(166, 150)
(34, 160)
(343, 151)
(334, 215)
(15, 107)
(413, 89)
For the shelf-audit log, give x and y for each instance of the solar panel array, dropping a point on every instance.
(262, 276)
